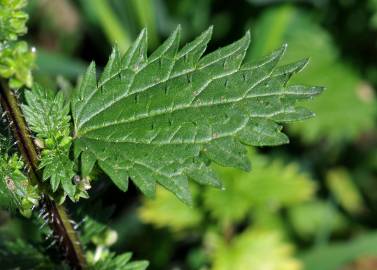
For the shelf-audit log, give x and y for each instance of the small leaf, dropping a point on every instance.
(48, 116)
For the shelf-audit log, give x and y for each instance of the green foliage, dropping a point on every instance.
(48, 116)
(254, 249)
(24, 256)
(15, 190)
(344, 190)
(16, 59)
(312, 218)
(337, 255)
(103, 259)
(167, 210)
(253, 198)
(160, 119)
(270, 186)
(257, 219)
(345, 89)
(21, 255)
(12, 19)
(94, 231)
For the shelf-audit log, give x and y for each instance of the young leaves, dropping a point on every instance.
(161, 118)
(15, 190)
(12, 19)
(16, 59)
(48, 116)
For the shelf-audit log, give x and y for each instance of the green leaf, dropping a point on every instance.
(46, 113)
(269, 187)
(254, 249)
(16, 62)
(160, 118)
(167, 211)
(15, 190)
(16, 59)
(58, 168)
(316, 217)
(345, 190)
(48, 116)
(12, 19)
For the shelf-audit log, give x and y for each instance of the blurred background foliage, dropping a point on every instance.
(311, 204)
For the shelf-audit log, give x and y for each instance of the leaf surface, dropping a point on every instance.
(160, 119)
(47, 115)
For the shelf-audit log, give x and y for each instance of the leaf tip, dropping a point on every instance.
(207, 34)
(177, 31)
(91, 67)
(302, 64)
(143, 36)
(318, 89)
(247, 37)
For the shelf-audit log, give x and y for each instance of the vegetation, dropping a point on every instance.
(165, 148)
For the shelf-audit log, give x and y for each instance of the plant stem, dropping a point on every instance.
(57, 216)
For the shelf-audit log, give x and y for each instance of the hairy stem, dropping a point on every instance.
(57, 216)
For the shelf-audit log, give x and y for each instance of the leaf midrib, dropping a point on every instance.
(190, 105)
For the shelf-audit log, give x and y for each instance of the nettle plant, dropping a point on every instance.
(157, 119)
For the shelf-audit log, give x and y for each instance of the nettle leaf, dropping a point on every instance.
(58, 168)
(46, 112)
(48, 116)
(160, 119)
